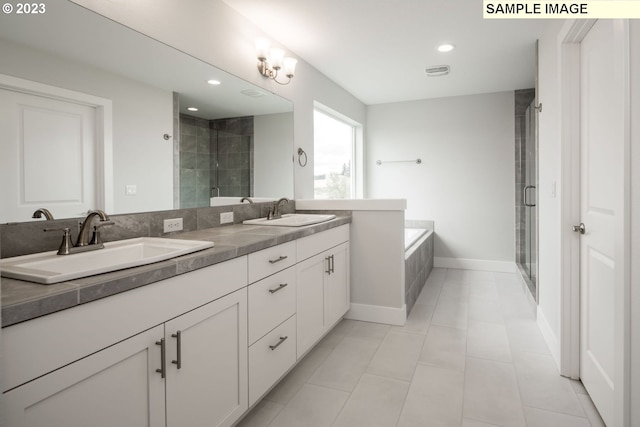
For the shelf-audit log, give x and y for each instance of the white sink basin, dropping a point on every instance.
(291, 220)
(48, 267)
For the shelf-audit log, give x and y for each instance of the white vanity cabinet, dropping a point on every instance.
(323, 292)
(128, 380)
(195, 349)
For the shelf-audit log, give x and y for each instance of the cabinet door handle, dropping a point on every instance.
(280, 258)
(163, 357)
(178, 361)
(282, 339)
(282, 285)
(328, 270)
(332, 263)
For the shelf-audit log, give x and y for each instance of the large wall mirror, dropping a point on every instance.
(94, 114)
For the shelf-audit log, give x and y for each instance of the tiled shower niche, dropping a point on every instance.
(216, 159)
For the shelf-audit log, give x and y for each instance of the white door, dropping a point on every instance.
(601, 209)
(48, 156)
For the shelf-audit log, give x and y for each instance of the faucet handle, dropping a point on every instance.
(96, 239)
(65, 245)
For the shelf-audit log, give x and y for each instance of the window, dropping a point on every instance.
(334, 151)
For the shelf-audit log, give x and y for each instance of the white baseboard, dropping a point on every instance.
(377, 314)
(475, 264)
(549, 336)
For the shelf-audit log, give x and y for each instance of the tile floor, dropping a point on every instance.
(469, 355)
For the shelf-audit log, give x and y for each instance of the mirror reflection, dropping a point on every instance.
(144, 150)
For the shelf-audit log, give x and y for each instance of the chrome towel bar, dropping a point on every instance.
(416, 161)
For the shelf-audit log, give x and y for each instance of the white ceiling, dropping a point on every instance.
(378, 49)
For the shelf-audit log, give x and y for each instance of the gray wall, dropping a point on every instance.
(465, 181)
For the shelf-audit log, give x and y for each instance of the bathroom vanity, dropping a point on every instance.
(199, 346)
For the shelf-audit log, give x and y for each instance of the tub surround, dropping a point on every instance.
(23, 301)
(418, 262)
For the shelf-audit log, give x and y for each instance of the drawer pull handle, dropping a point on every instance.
(282, 339)
(178, 361)
(163, 357)
(282, 285)
(280, 258)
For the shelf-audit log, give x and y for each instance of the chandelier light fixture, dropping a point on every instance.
(272, 60)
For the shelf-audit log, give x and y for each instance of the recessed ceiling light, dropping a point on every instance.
(213, 82)
(192, 109)
(446, 47)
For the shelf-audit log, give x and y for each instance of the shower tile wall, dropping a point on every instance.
(176, 150)
(195, 149)
(522, 100)
(232, 140)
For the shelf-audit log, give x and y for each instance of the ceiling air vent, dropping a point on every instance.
(254, 93)
(437, 70)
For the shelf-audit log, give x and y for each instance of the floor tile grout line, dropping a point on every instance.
(556, 412)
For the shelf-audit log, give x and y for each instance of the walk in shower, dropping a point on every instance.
(216, 159)
(526, 188)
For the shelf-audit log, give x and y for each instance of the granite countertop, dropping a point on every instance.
(22, 300)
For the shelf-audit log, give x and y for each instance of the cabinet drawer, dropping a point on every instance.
(271, 301)
(270, 358)
(316, 243)
(271, 260)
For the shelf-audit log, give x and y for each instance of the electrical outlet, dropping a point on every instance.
(226, 217)
(173, 224)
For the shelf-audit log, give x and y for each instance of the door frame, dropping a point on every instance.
(104, 129)
(571, 36)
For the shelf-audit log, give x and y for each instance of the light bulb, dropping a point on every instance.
(262, 49)
(276, 56)
(290, 66)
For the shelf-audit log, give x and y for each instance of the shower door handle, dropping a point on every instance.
(524, 196)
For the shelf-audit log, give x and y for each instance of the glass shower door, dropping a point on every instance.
(529, 196)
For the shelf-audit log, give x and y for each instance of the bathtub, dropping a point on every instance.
(412, 235)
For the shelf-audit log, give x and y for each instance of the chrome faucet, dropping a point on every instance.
(83, 235)
(275, 213)
(42, 211)
(248, 199)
